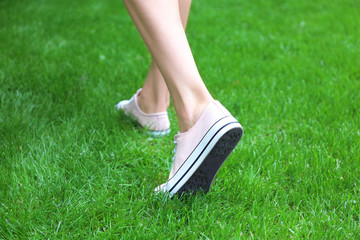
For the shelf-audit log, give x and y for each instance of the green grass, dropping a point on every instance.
(71, 167)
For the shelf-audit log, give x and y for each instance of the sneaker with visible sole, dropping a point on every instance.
(200, 152)
(156, 124)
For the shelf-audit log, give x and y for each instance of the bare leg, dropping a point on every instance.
(161, 28)
(155, 96)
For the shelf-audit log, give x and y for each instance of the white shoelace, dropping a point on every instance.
(174, 150)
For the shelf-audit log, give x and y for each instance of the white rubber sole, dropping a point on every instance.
(156, 134)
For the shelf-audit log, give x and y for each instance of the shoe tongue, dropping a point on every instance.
(177, 136)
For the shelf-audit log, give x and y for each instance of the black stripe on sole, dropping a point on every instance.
(203, 177)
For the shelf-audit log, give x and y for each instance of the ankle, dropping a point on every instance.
(150, 103)
(191, 115)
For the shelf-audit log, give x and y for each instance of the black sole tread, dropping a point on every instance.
(203, 177)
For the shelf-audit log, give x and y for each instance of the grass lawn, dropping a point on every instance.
(72, 167)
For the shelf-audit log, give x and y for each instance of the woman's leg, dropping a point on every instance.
(155, 95)
(208, 131)
(161, 28)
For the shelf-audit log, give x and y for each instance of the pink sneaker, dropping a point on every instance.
(200, 152)
(157, 124)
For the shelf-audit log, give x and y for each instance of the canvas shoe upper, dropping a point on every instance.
(200, 151)
(156, 123)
